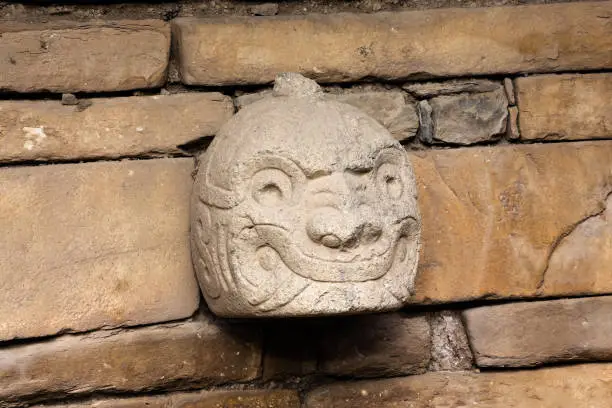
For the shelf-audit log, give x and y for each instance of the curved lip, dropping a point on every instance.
(318, 269)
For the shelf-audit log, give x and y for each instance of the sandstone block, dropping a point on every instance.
(534, 220)
(84, 57)
(532, 333)
(388, 107)
(205, 399)
(469, 118)
(109, 127)
(399, 45)
(580, 386)
(179, 355)
(94, 244)
(565, 107)
(376, 345)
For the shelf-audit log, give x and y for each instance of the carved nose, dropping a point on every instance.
(335, 228)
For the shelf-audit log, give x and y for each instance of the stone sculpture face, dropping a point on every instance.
(304, 206)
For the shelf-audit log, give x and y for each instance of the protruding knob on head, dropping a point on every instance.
(294, 84)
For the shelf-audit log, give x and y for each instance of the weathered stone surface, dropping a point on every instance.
(450, 350)
(533, 333)
(565, 107)
(431, 89)
(581, 261)
(376, 345)
(109, 127)
(95, 244)
(264, 9)
(84, 57)
(173, 356)
(512, 130)
(581, 386)
(388, 107)
(509, 88)
(275, 398)
(469, 118)
(532, 219)
(426, 129)
(304, 206)
(398, 45)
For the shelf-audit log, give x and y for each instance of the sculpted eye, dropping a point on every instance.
(271, 187)
(389, 180)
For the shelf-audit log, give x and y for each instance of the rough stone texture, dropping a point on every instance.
(430, 89)
(581, 386)
(532, 218)
(173, 356)
(84, 57)
(509, 88)
(512, 130)
(426, 129)
(109, 127)
(469, 118)
(533, 333)
(376, 346)
(388, 107)
(95, 244)
(205, 399)
(398, 45)
(265, 9)
(565, 107)
(450, 350)
(304, 206)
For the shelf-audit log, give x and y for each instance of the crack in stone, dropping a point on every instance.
(561, 238)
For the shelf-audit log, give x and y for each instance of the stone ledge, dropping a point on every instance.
(84, 57)
(391, 46)
(565, 107)
(276, 398)
(96, 244)
(581, 386)
(109, 127)
(534, 333)
(182, 355)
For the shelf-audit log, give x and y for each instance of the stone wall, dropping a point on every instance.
(505, 112)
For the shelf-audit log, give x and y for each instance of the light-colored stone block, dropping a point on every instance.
(84, 57)
(94, 244)
(580, 386)
(275, 398)
(109, 127)
(179, 355)
(534, 333)
(565, 107)
(347, 47)
(514, 221)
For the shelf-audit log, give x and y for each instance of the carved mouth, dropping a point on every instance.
(346, 267)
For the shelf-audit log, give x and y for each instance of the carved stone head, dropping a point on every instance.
(304, 206)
